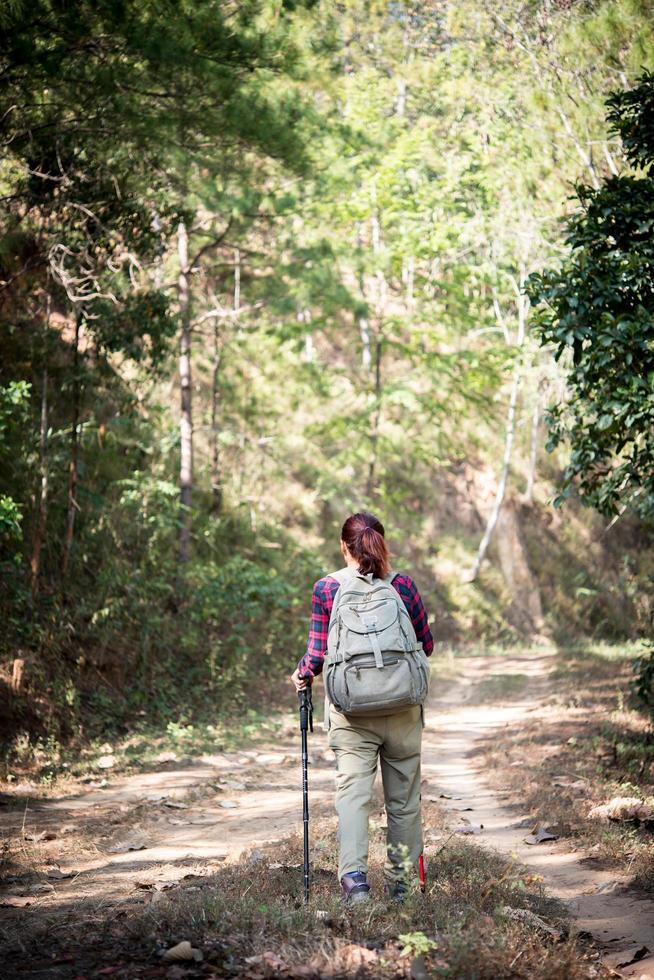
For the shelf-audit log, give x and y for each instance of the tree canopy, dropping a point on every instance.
(599, 307)
(264, 263)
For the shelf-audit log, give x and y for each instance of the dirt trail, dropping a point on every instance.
(621, 922)
(190, 819)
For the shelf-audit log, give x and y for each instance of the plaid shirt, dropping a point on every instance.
(322, 601)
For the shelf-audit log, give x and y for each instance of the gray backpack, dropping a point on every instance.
(374, 663)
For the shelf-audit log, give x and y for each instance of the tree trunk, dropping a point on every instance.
(364, 332)
(509, 434)
(42, 514)
(533, 453)
(186, 417)
(216, 485)
(364, 325)
(525, 610)
(374, 434)
(504, 476)
(73, 468)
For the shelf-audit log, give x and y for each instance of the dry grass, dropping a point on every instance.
(587, 746)
(255, 910)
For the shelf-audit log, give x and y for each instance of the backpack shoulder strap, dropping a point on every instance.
(342, 575)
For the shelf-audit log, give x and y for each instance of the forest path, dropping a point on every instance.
(461, 722)
(190, 819)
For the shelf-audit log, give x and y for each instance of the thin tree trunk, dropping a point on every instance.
(73, 468)
(216, 478)
(509, 435)
(374, 435)
(400, 102)
(533, 453)
(42, 511)
(364, 325)
(186, 417)
(364, 333)
(42, 514)
(504, 476)
(216, 487)
(308, 348)
(381, 305)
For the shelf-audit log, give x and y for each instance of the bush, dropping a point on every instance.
(643, 682)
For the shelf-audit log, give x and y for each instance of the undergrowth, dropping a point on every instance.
(249, 920)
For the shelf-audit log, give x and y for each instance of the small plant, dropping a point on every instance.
(416, 944)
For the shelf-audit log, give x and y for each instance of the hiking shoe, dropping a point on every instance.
(355, 887)
(397, 891)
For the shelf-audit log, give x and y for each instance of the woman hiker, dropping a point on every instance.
(358, 740)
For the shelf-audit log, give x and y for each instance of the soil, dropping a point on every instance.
(189, 818)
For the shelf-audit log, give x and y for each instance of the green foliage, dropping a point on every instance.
(599, 307)
(14, 399)
(643, 682)
(416, 944)
(238, 648)
(364, 189)
(631, 116)
(10, 522)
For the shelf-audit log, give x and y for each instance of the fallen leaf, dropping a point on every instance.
(44, 835)
(531, 919)
(42, 888)
(156, 886)
(57, 874)
(137, 840)
(182, 951)
(232, 784)
(539, 835)
(607, 887)
(272, 759)
(355, 957)
(566, 782)
(269, 961)
(639, 954)
(623, 808)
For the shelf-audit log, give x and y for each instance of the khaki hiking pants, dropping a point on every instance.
(358, 742)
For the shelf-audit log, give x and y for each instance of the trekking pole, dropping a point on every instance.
(306, 725)
(421, 873)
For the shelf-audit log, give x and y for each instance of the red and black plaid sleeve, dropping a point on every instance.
(322, 600)
(411, 598)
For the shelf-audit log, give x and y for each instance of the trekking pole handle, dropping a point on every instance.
(306, 708)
